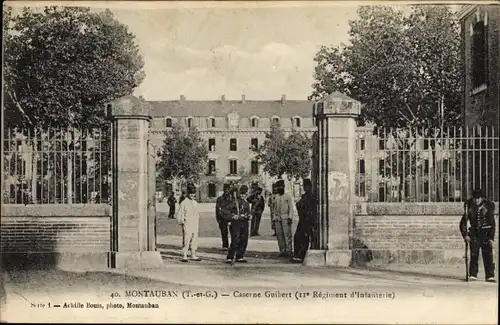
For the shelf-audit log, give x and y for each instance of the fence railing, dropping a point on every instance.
(56, 166)
(411, 165)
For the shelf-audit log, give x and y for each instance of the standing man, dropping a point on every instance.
(283, 220)
(189, 218)
(240, 210)
(171, 201)
(222, 205)
(272, 207)
(258, 206)
(481, 233)
(306, 208)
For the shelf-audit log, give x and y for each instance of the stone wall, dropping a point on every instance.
(420, 233)
(55, 235)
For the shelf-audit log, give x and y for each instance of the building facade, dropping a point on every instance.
(230, 128)
(481, 56)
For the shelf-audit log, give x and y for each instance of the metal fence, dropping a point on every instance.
(412, 165)
(56, 166)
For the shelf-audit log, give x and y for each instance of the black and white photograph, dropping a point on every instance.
(250, 162)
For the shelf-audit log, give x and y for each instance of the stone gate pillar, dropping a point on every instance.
(129, 239)
(335, 116)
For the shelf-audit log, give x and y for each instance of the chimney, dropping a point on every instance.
(183, 98)
(243, 99)
(223, 98)
(283, 99)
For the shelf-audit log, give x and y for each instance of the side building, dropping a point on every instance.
(480, 26)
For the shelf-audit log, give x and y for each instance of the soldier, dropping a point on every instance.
(222, 208)
(171, 201)
(238, 227)
(479, 211)
(258, 206)
(189, 218)
(283, 220)
(306, 208)
(272, 209)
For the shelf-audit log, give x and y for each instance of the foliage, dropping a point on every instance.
(63, 63)
(404, 68)
(183, 156)
(282, 155)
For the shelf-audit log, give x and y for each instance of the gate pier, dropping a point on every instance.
(131, 238)
(334, 182)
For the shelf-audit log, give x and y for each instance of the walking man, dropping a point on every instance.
(222, 208)
(189, 218)
(283, 220)
(306, 208)
(481, 233)
(171, 205)
(238, 227)
(258, 206)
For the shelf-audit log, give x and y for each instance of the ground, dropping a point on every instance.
(266, 290)
(310, 295)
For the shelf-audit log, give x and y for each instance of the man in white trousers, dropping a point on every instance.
(189, 218)
(283, 220)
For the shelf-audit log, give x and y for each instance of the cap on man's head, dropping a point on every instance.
(477, 193)
(191, 189)
(226, 186)
(243, 189)
(307, 182)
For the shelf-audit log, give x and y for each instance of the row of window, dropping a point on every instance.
(233, 144)
(384, 168)
(233, 167)
(382, 144)
(254, 122)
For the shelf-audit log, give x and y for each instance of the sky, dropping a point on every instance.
(206, 50)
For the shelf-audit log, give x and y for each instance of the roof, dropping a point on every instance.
(249, 108)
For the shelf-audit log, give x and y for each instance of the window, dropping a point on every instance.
(276, 120)
(211, 167)
(381, 144)
(362, 189)
(232, 145)
(296, 121)
(168, 122)
(211, 122)
(254, 167)
(189, 122)
(211, 144)
(254, 143)
(362, 144)
(361, 166)
(233, 167)
(426, 166)
(479, 54)
(426, 144)
(212, 190)
(426, 187)
(381, 167)
(254, 122)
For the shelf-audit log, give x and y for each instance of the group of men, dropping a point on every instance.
(281, 206)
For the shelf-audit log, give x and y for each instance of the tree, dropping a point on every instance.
(183, 156)
(62, 64)
(404, 68)
(282, 155)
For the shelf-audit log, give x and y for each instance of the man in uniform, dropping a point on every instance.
(283, 220)
(272, 209)
(238, 227)
(257, 207)
(306, 208)
(222, 205)
(189, 218)
(479, 212)
(171, 205)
